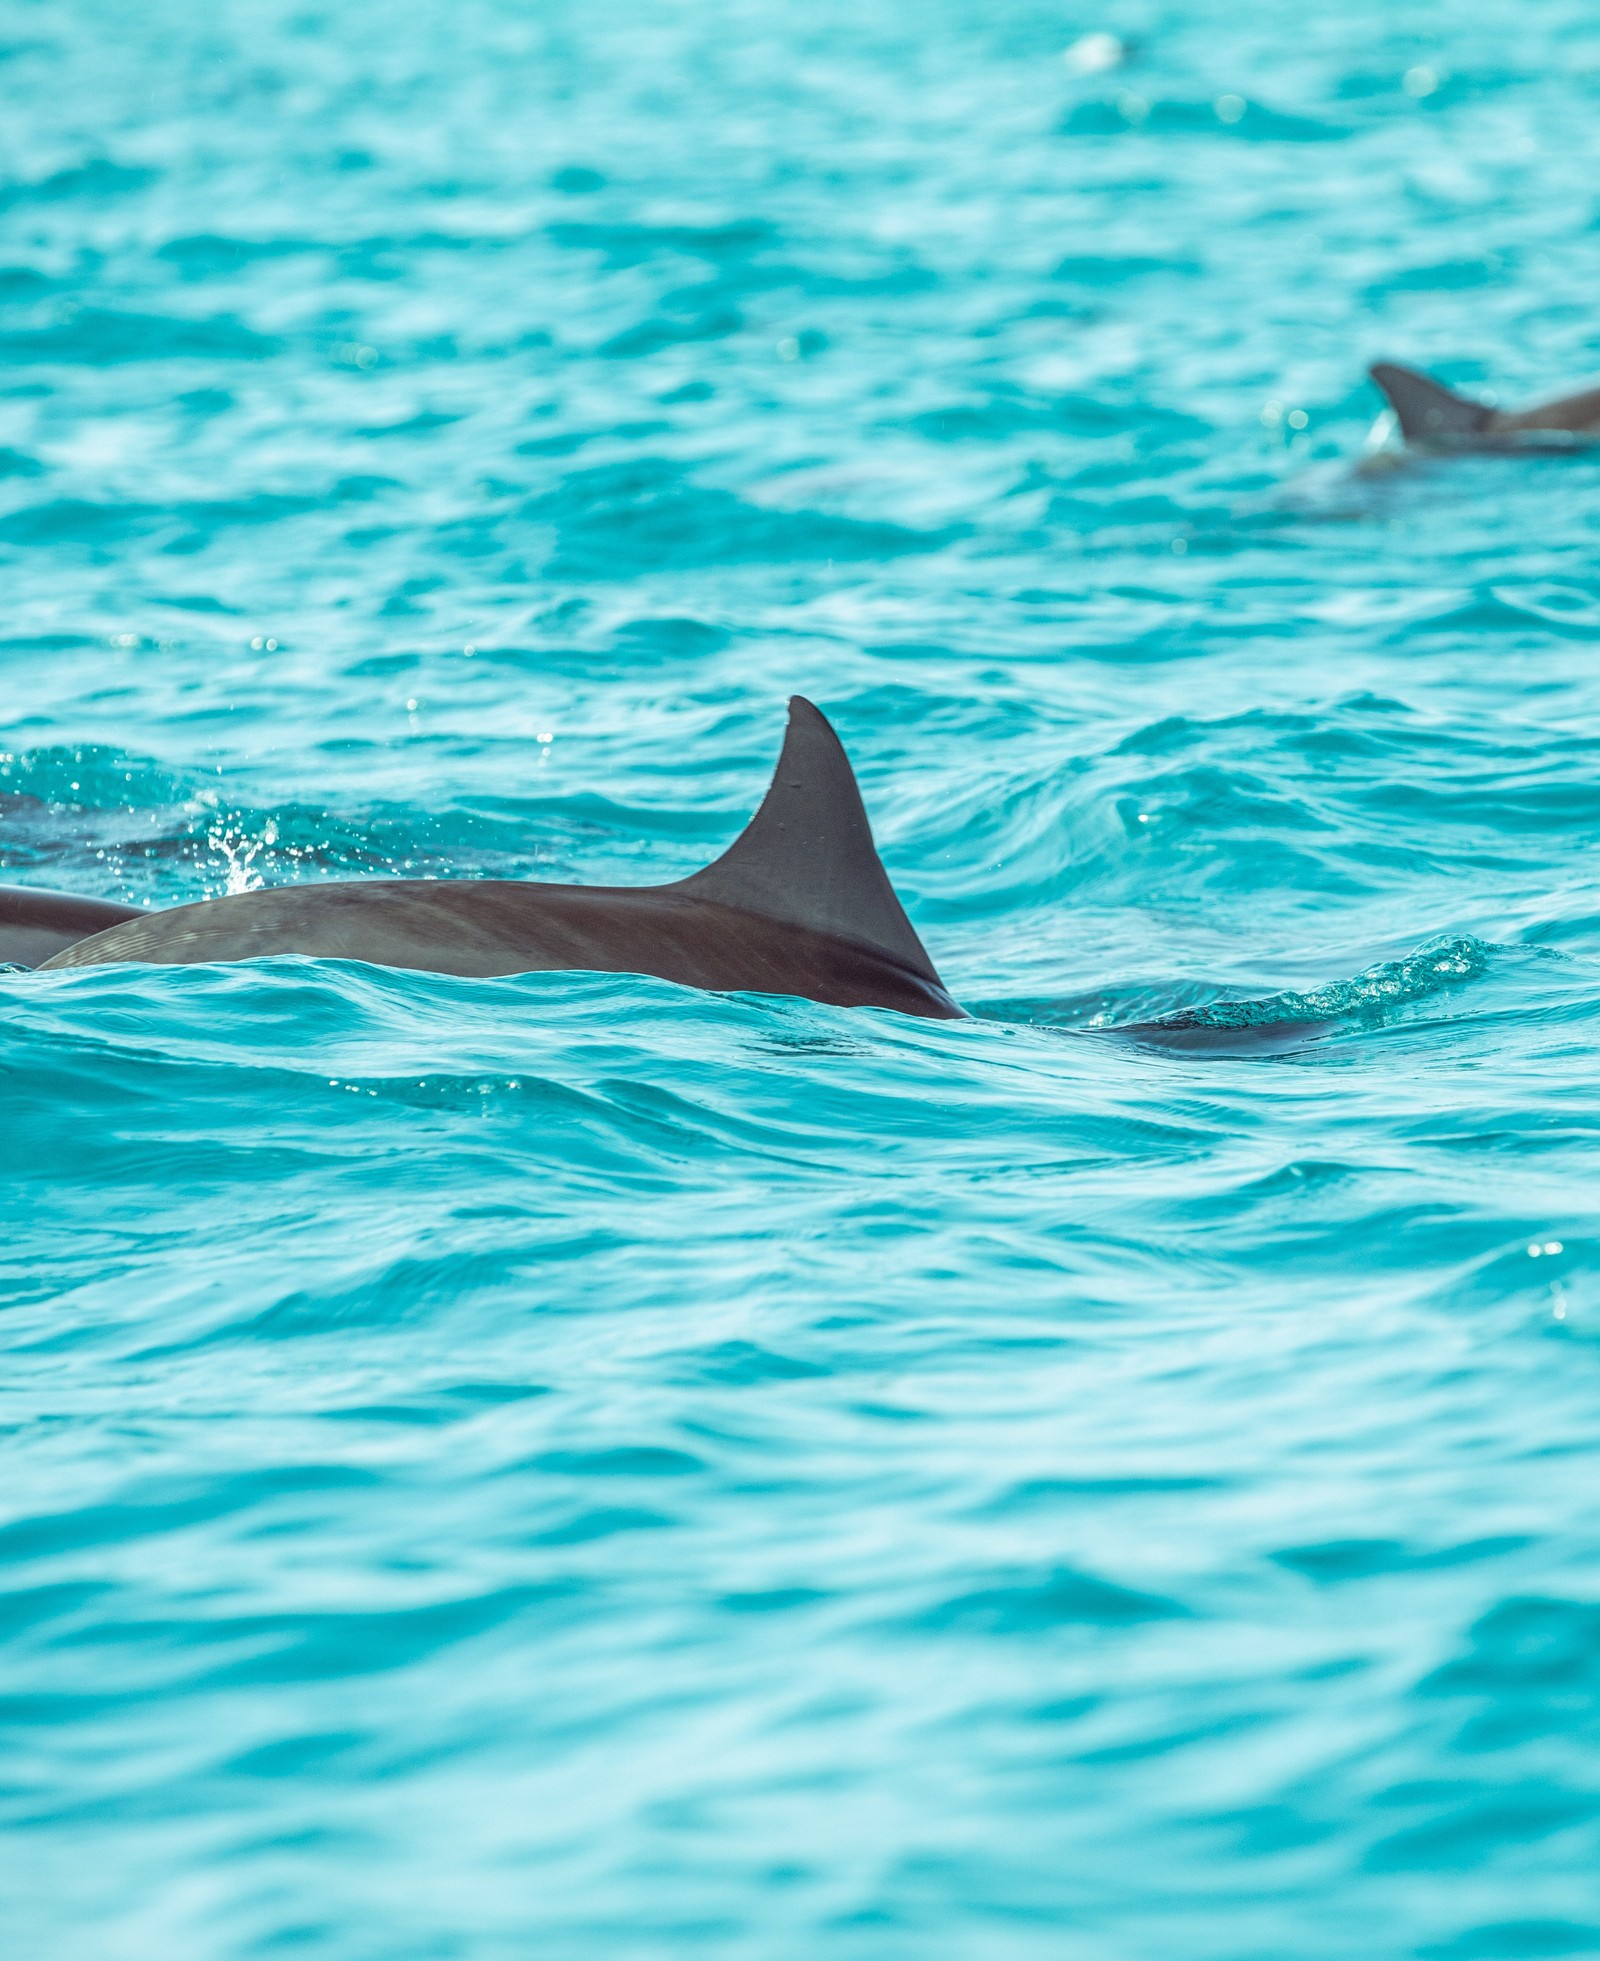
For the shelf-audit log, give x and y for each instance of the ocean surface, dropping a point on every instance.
(574, 1467)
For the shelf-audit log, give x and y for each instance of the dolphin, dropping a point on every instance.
(798, 904)
(35, 923)
(1433, 418)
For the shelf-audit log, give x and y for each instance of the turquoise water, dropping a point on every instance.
(568, 1466)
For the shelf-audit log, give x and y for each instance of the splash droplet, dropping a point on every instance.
(1093, 54)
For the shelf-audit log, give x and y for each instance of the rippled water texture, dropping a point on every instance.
(572, 1467)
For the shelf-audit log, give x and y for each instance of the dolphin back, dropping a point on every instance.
(1428, 412)
(799, 904)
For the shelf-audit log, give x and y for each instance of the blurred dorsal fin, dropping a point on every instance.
(1428, 413)
(807, 857)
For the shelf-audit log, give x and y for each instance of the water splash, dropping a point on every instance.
(242, 853)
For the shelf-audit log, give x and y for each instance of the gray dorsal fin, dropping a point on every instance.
(807, 856)
(1427, 412)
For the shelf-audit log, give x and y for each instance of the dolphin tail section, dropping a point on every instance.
(1429, 413)
(807, 857)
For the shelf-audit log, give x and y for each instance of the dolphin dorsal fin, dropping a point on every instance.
(807, 856)
(1427, 412)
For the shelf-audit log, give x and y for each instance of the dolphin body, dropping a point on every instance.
(799, 904)
(1431, 417)
(34, 923)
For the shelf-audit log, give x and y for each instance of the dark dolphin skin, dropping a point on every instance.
(798, 904)
(35, 924)
(1432, 417)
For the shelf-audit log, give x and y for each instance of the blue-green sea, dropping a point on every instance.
(572, 1467)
